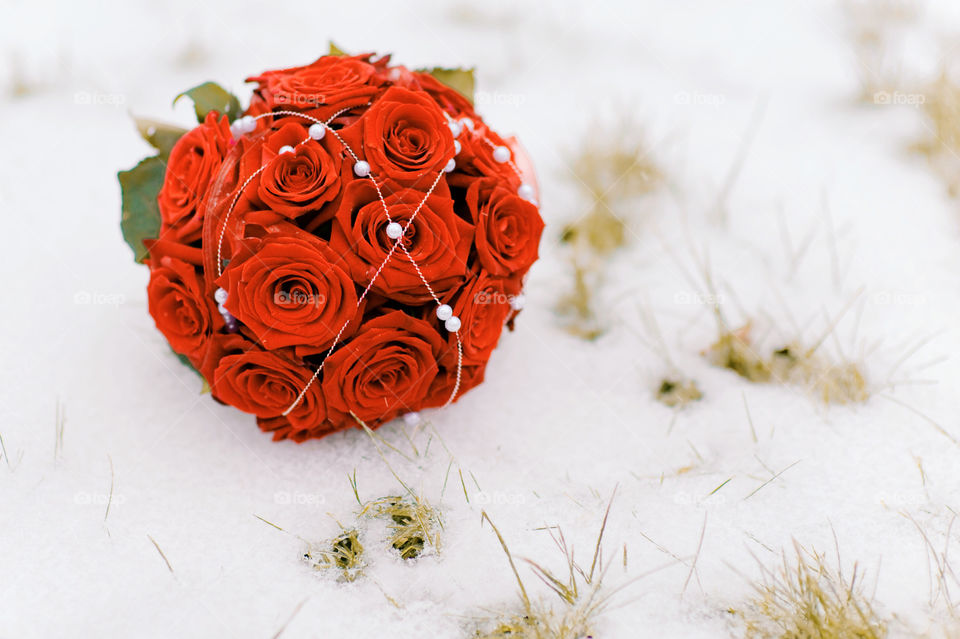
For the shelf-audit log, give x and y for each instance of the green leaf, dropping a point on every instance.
(460, 80)
(140, 217)
(186, 362)
(159, 135)
(210, 96)
(335, 50)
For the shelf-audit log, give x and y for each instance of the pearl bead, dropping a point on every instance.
(286, 148)
(317, 131)
(236, 129)
(444, 312)
(526, 192)
(451, 165)
(361, 168)
(457, 147)
(467, 122)
(501, 154)
(411, 419)
(452, 324)
(455, 128)
(223, 309)
(518, 301)
(220, 295)
(394, 230)
(249, 123)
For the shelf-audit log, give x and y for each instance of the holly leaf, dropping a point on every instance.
(140, 215)
(210, 96)
(159, 135)
(460, 80)
(335, 50)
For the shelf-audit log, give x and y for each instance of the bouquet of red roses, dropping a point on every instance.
(347, 248)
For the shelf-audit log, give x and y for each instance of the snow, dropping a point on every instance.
(559, 423)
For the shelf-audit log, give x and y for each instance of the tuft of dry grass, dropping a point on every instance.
(840, 382)
(873, 27)
(677, 393)
(613, 170)
(805, 598)
(580, 596)
(834, 383)
(577, 307)
(413, 523)
(941, 120)
(344, 554)
(733, 350)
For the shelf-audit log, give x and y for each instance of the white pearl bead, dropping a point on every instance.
(451, 165)
(518, 301)
(220, 295)
(317, 131)
(286, 148)
(526, 192)
(444, 312)
(361, 168)
(394, 230)
(457, 147)
(452, 324)
(411, 419)
(223, 310)
(237, 129)
(467, 122)
(455, 128)
(501, 154)
(249, 123)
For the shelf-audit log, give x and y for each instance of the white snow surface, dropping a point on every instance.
(559, 422)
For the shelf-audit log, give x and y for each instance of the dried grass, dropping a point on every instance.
(941, 119)
(805, 598)
(677, 393)
(833, 382)
(873, 26)
(580, 596)
(413, 523)
(343, 554)
(613, 170)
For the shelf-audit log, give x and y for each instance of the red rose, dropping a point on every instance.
(404, 136)
(320, 89)
(302, 180)
(449, 99)
(438, 240)
(483, 306)
(476, 158)
(288, 290)
(385, 370)
(266, 383)
(471, 375)
(177, 300)
(193, 162)
(508, 228)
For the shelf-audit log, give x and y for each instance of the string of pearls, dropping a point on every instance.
(394, 230)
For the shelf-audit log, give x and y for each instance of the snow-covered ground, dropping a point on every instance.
(559, 422)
